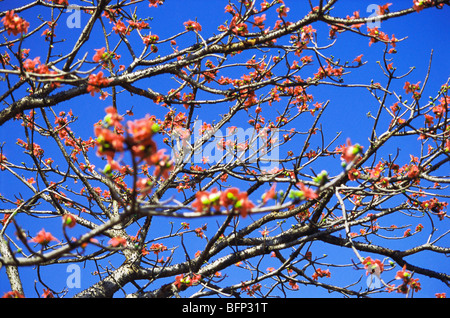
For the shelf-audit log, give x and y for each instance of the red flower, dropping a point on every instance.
(350, 151)
(154, 3)
(413, 172)
(353, 174)
(48, 294)
(99, 54)
(237, 200)
(96, 81)
(63, 2)
(376, 35)
(108, 142)
(69, 220)
(182, 281)
(403, 274)
(112, 118)
(43, 238)
(259, 21)
(293, 285)
(117, 241)
(13, 294)
(232, 199)
(320, 273)
(419, 5)
(192, 26)
(411, 88)
(205, 200)
(140, 139)
(240, 29)
(142, 129)
(269, 194)
(358, 59)
(120, 28)
(150, 39)
(384, 8)
(157, 248)
(407, 281)
(14, 24)
(372, 265)
(428, 120)
(282, 11)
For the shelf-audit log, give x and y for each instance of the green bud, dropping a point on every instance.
(205, 200)
(155, 128)
(107, 170)
(107, 119)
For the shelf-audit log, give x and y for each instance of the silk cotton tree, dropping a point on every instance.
(165, 155)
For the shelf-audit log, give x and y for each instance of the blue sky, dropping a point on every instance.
(346, 112)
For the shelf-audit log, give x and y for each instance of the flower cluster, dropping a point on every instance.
(435, 206)
(62, 2)
(118, 241)
(2, 160)
(377, 35)
(349, 151)
(155, 3)
(183, 281)
(251, 290)
(13, 294)
(305, 193)
(69, 220)
(151, 39)
(158, 248)
(14, 24)
(96, 82)
(192, 26)
(35, 66)
(231, 199)
(136, 136)
(373, 266)
(108, 141)
(103, 57)
(412, 88)
(43, 238)
(320, 273)
(419, 5)
(408, 282)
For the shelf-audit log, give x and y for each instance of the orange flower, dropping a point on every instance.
(13, 294)
(413, 172)
(192, 26)
(14, 24)
(350, 151)
(69, 220)
(358, 59)
(320, 273)
(43, 238)
(371, 265)
(96, 81)
(182, 281)
(117, 241)
(205, 200)
(269, 194)
(157, 248)
(384, 8)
